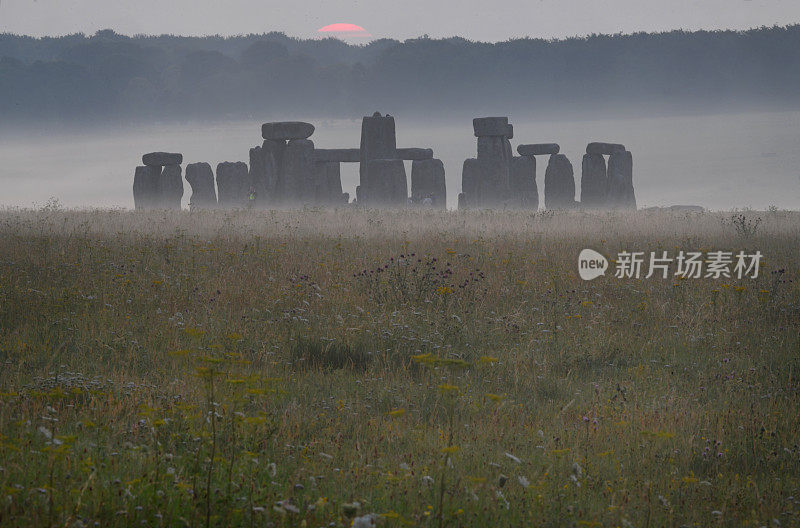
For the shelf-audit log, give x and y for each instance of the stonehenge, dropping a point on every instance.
(287, 170)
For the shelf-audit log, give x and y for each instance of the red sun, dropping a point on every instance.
(343, 30)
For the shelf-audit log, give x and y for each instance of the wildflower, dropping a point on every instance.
(397, 412)
(445, 388)
(523, 481)
(450, 449)
(487, 360)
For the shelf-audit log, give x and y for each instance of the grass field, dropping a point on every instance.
(337, 368)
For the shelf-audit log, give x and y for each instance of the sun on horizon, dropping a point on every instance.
(344, 31)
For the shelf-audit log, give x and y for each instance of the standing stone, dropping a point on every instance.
(427, 181)
(263, 175)
(201, 179)
(274, 152)
(462, 201)
(620, 181)
(559, 183)
(160, 159)
(386, 183)
(594, 183)
(485, 182)
(328, 188)
(378, 141)
(522, 177)
(145, 187)
(232, 184)
(171, 187)
(299, 172)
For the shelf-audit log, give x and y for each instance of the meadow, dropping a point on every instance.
(335, 368)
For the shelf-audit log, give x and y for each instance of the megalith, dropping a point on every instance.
(171, 187)
(594, 183)
(299, 172)
(286, 130)
(620, 181)
(160, 159)
(386, 184)
(428, 183)
(378, 141)
(201, 179)
(522, 179)
(146, 187)
(559, 183)
(233, 182)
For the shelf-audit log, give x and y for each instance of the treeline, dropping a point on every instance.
(110, 76)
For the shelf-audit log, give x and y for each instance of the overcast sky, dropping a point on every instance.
(489, 20)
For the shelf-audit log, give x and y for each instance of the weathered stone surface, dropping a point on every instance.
(427, 181)
(594, 183)
(494, 147)
(274, 152)
(233, 182)
(328, 188)
(620, 181)
(491, 126)
(415, 153)
(263, 176)
(378, 141)
(604, 148)
(538, 149)
(510, 131)
(386, 184)
(201, 178)
(485, 182)
(522, 177)
(285, 130)
(146, 187)
(299, 172)
(559, 183)
(338, 155)
(159, 159)
(171, 187)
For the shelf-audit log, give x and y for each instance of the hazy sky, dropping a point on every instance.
(490, 20)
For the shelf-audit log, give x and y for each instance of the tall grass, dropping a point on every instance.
(336, 368)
